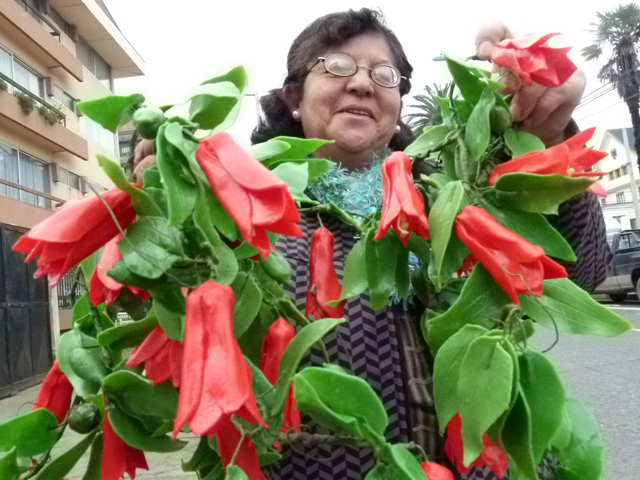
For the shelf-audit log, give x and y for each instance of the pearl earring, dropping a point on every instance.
(296, 115)
(398, 128)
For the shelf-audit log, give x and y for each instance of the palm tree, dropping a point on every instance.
(617, 33)
(429, 107)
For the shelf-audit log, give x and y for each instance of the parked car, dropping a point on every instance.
(624, 271)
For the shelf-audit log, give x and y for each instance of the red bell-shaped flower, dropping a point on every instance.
(324, 285)
(55, 393)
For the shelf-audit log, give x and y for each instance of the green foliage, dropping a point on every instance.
(61, 465)
(29, 435)
(478, 131)
(113, 111)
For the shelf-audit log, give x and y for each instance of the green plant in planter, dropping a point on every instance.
(26, 102)
(55, 115)
(4, 86)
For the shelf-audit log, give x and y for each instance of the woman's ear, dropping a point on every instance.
(292, 97)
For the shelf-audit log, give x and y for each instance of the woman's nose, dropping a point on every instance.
(361, 82)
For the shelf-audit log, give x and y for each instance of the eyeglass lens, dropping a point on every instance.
(344, 66)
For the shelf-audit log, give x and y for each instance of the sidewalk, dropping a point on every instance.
(161, 465)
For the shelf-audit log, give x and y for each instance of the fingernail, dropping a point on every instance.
(484, 50)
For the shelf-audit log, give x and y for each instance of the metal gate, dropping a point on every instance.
(25, 328)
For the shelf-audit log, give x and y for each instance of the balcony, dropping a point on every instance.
(55, 138)
(41, 42)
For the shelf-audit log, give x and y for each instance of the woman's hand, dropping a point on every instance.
(542, 111)
(143, 158)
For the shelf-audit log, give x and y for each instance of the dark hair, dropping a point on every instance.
(326, 32)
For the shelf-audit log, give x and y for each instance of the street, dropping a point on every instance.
(604, 373)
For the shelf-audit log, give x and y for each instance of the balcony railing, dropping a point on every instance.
(61, 116)
(48, 198)
(52, 28)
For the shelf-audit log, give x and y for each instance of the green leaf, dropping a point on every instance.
(295, 174)
(202, 457)
(134, 434)
(299, 148)
(381, 258)
(69, 342)
(428, 141)
(169, 307)
(262, 388)
(30, 434)
(516, 439)
(248, 299)
(582, 457)
(138, 397)
(355, 278)
(237, 76)
(150, 247)
(81, 309)
(292, 356)
(403, 280)
(93, 471)
(446, 372)
(538, 193)
(545, 396)
(450, 201)
(111, 111)
(521, 143)
(533, 227)
(121, 274)
(179, 184)
(226, 265)
(572, 310)
(213, 103)
(270, 148)
(401, 464)
(481, 300)
(347, 396)
(133, 305)
(478, 129)
(89, 264)
(244, 251)
(9, 469)
(317, 166)
(142, 203)
(63, 464)
(484, 391)
(470, 86)
(87, 363)
(234, 472)
(454, 256)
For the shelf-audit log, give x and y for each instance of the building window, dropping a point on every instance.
(633, 223)
(96, 133)
(21, 73)
(60, 22)
(23, 169)
(94, 62)
(63, 98)
(624, 169)
(620, 197)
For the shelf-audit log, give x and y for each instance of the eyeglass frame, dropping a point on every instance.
(323, 60)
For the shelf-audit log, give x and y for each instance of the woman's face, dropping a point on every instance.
(360, 115)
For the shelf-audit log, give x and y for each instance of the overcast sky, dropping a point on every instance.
(186, 42)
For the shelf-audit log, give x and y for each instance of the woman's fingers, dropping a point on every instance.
(146, 162)
(488, 36)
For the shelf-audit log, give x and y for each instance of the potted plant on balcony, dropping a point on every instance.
(4, 86)
(27, 104)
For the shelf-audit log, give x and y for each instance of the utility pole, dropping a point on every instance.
(632, 177)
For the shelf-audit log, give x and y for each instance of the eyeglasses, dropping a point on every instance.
(342, 65)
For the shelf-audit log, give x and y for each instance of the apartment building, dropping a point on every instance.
(53, 54)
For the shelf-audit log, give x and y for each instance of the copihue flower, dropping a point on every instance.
(569, 158)
(435, 471)
(162, 357)
(492, 455)
(324, 285)
(215, 380)
(55, 393)
(275, 342)
(103, 288)
(402, 204)
(117, 456)
(532, 60)
(228, 438)
(251, 194)
(517, 265)
(75, 231)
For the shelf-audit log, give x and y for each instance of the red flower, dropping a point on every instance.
(102, 287)
(435, 471)
(275, 342)
(402, 204)
(228, 438)
(162, 357)
(324, 285)
(254, 197)
(517, 265)
(75, 231)
(55, 393)
(491, 455)
(117, 456)
(569, 158)
(215, 380)
(532, 61)
(467, 266)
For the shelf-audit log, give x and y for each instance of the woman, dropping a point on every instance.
(347, 74)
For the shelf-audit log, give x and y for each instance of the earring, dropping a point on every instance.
(296, 115)
(398, 128)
